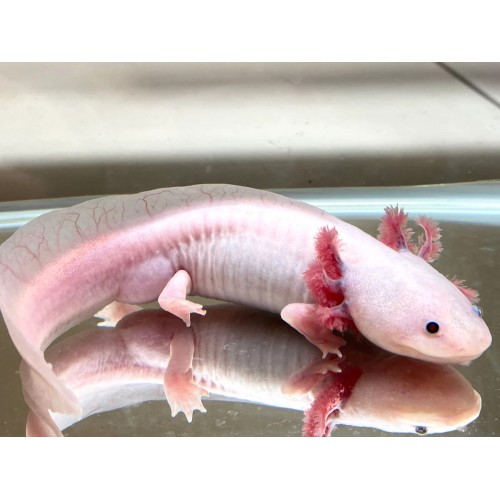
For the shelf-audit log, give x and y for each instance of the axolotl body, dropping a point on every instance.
(240, 245)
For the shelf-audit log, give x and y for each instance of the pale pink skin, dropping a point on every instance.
(249, 355)
(231, 243)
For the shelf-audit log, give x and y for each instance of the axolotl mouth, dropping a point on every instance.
(458, 359)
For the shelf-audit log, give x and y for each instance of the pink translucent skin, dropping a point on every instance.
(246, 354)
(236, 244)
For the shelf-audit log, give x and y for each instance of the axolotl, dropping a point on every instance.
(240, 245)
(250, 355)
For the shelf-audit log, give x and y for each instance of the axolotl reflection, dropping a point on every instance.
(254, 356)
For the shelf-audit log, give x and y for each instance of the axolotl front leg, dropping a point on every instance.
(330, 313)
(310, 320)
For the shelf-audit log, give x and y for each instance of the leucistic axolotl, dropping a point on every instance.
(240, 245)
(242, 353)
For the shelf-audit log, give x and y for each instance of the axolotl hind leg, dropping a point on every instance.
(173, 298)
(181, 391)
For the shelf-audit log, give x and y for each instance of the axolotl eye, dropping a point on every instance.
(432, 327)
(420, 429)
(478, 311)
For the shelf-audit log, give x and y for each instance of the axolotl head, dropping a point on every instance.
(404, 305)
(418, 312)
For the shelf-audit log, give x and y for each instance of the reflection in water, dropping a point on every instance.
(249, 355)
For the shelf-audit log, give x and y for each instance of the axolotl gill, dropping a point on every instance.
(240, 245)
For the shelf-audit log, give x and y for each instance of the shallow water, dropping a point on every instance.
(470, 222)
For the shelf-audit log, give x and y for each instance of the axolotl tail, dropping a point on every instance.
(54, 394)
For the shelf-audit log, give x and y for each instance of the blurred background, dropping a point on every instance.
(91, 129)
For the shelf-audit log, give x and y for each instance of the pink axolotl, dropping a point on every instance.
(246, 354)
(240, 245)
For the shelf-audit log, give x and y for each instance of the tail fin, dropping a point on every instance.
(40, 424)
(51, 393)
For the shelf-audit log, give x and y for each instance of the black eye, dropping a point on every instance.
(432, 327)
(420, 429)
(478, 311)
